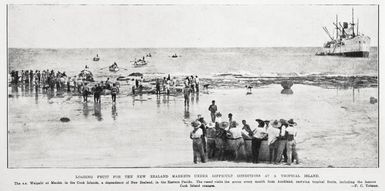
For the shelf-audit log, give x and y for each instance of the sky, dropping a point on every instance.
(157, 26)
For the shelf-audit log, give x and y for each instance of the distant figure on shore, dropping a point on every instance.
(186, 93)
(114, 91)
(157, 86)
(196, 136)
(213, 109)
(230, 116)
(85, 92)
(249, 88)
(196, 83)
(97, 93)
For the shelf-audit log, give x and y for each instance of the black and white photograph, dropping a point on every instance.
(192, 86)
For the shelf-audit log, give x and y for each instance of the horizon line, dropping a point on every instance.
(169, 47)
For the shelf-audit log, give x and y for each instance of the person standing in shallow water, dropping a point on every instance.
(114, 91)
(213, 109)
(186, 93)
(85, 92)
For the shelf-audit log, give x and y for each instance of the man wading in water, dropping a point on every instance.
(213, 109)
(114, 91)
(186, 92)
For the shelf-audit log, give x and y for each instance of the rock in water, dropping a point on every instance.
(136, 74)
(286, 84)
(373, 100)
(64, 119)
(287, 91)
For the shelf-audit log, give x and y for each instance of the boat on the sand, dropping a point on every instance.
(86, 75)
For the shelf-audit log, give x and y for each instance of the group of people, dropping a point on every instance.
(37, 78)
(165, 84)
(59, 81)
(228, 140)
(191, 85)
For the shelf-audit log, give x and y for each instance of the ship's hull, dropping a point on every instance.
(355, 54)
(347, 54)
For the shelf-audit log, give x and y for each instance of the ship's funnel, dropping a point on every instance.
(345, 25)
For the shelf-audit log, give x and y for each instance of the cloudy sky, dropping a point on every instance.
(120, 26)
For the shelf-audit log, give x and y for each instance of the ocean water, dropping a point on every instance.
(204, 62)
(149, 130)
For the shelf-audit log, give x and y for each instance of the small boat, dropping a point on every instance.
(113, 68)
(96, 58)
(140, 62)
(174, 56)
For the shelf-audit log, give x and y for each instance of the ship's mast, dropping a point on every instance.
(357, 25)
(336, 27)
(353, 22)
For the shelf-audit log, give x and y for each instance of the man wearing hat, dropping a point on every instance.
(248, 138)
(220, 138)
(291, 143)
(282, 141)
(203, 127)
(236, 142)
(259, 135)
(196, 136)
(210, 133)
(273, 133)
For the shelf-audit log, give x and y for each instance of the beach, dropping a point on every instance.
(337, 127)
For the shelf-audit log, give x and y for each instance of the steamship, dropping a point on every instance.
(347, 42)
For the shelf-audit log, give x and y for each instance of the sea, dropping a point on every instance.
(203, 62)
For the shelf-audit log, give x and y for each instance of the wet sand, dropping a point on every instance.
(336, 129)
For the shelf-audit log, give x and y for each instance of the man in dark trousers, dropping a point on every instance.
(213, 109)
(203, 127)
(196, 136)
(97, 93)
(259, 134)
(114, 91)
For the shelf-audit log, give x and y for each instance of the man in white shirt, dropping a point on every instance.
(291, 143)
(236, 142)
(196, 136)
(259, 135)
(197, 83)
